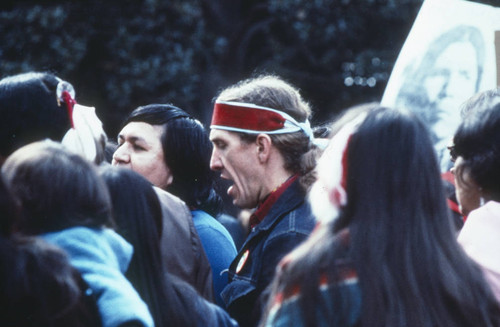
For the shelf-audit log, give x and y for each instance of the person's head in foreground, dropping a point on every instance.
(30, 111)
(35, 106)
(56, 189)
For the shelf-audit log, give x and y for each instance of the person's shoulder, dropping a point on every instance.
(298, 220)
(204, 220)
(493, 206)
(85, 244)
(206, 225)
(168, 199)
(75, 235)
(174, 211)
(286, 310)
(484, 217)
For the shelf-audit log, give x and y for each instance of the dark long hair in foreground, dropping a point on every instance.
(411, 270)
(138, 216)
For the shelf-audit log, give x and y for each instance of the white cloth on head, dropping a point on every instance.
(87, 138)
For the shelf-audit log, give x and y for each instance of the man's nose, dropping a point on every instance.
(121, 156)
(215, 162)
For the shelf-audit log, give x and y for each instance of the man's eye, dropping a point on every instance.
(220, 145)
(138, 147)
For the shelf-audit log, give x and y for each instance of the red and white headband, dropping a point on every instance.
(254, 119)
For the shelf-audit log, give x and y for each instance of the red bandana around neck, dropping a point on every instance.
(270, 200)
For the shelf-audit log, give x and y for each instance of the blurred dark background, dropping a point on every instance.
(120, 54)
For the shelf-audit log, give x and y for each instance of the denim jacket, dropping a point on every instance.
(288, 223)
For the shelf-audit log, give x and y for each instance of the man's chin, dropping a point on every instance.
(244, 205)
(237, 202)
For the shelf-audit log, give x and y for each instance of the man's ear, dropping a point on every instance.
(264, 144)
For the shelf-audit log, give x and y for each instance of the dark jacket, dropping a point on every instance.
(288, 223)
(181, 247)
(203, 312)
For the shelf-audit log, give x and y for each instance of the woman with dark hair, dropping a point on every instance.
(138, 217)
(172, 150)
(30, 111)
(63, 199)
(385, 253)
(36, 106)
(39, 286)
(476, 155)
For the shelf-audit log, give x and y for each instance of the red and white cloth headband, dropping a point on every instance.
(254, 119)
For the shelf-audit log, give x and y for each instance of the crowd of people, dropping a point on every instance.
(348, 224)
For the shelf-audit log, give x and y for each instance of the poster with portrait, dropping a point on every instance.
(448, 56)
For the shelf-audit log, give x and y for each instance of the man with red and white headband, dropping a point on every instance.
(264, 144)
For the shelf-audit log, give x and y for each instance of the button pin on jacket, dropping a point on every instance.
(242, 261)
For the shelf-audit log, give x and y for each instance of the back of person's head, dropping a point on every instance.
(388, 171)
(138, 218)
(392, 170)
(477, 141)
(273, 92)
(30, 111)
(187, 150)
(136, 211)
(135, 206)
(40, 287)
(402, 239)
(388, 194)
(56, 189)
